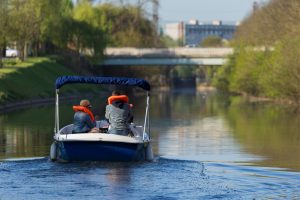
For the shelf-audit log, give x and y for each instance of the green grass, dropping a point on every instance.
(32, 79)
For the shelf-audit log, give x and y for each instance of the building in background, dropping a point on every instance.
(193, 32)
(175, 30)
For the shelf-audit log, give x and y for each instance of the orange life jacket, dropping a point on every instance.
(84, 109)
(123, 98)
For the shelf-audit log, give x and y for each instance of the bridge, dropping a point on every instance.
(166, 56)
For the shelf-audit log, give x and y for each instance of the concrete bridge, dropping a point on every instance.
(166, 56)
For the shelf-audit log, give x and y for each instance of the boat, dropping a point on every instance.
(68, 147)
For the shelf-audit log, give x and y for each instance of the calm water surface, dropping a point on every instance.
(206, 146)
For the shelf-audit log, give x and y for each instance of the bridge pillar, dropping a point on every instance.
(200, 75)
(165, 78)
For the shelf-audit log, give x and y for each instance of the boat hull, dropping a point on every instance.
(67, 151)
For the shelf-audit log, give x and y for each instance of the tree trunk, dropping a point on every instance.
(25, 53)
(21, 51)
(1, 56)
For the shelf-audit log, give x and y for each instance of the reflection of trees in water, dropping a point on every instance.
(24, 142)
(19, 139)
(184, 105)
(2, 142)
(181, 112)
(267, 130)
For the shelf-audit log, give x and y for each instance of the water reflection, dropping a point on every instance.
(212, 127)
(24, 133)
(185, 125)
(268, 130)
(194, 129)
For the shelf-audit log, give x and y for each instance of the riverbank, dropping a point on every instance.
(33, 79)
(48, 101)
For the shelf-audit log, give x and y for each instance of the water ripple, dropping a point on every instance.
(162, 179)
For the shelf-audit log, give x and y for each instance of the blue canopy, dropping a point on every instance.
(63, 80)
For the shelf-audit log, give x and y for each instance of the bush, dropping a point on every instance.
(212, 41)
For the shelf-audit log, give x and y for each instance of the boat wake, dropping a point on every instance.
(162, 178)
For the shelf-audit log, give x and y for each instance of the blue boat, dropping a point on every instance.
(68, 147)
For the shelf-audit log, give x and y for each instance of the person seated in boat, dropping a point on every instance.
(119, 114)
(84, 120)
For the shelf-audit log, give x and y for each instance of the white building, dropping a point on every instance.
(174, 30)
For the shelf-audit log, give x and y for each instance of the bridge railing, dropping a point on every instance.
(181, 52)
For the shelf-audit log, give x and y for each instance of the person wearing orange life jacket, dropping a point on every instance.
(119, 114)
(84, 120)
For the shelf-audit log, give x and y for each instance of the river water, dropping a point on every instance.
(206, 146)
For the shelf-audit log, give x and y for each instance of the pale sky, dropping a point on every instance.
(205, 10)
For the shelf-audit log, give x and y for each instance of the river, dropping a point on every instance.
(206, 146)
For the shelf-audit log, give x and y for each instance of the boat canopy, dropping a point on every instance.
(63, 80)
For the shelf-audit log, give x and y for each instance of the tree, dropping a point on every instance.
(167, 41)
(127, 26)
(54, 14)
(85, 27)
(266, 59)
(212, 41)
(270, 23)
(86, 33)
(33, 22)
(24, 23)
(3, 28)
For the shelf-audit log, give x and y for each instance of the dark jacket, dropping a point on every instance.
(82, 123)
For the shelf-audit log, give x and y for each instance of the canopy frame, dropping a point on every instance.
(63, 80)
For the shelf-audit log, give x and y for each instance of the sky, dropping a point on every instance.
(232, 11)
(205, 10)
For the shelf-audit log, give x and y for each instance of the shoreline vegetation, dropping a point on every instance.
(266, 62)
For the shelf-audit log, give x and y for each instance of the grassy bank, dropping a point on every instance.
(32, 79)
